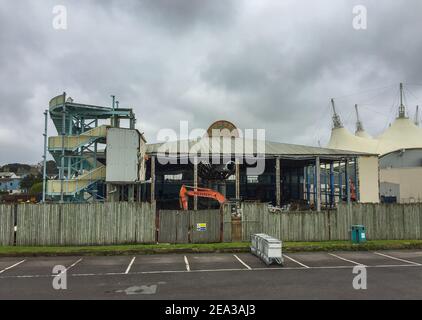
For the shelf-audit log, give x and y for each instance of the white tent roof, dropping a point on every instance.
(343, 139)
(402, 134)
(363, 134)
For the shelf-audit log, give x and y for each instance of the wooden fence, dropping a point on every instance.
(127, 223)
(6, 225)
(79, 224)
(382, 222)
(203, 226)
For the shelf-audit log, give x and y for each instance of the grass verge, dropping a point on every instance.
(205, 248)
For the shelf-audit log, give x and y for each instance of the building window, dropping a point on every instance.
(252, 179)
(173, 176)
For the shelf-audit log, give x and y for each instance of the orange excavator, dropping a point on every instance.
(187, 191)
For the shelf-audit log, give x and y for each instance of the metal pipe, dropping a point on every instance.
(347, 181)
(340, 183)
(308, 185)
(278, 181)
(195, 183)
(318, 183)
(63, 153)
(402, 108)
(44, 174)
(357, 187)
(332, 185)
(81, 165)
(314, 184)
(113, 117)
(152, 179)
(325, 184)
(69, 160)
(237, 179)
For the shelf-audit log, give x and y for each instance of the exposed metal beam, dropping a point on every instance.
(317, 184)
(44, 175)
(152, 178)
(278, 181)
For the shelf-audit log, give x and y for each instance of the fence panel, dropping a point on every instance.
(167, 227)
(174, 226)
(227, 226)
(412, 222)
(122, 222)
(85, 224)
(206, 226)
(7, 224)
(201, 226)
(382, 221)
(145, 222)
(38, 225)
(253, 219)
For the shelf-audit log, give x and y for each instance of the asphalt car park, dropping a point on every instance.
(392, 274)
(158, 263)
(100, 265)
(27, 267)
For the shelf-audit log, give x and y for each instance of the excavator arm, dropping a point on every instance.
(187, 191)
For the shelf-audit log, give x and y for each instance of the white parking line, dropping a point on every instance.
(12, 266)
(213, 270)
(187, 264)
(240, 260)
(130, 265)
(347, 260)
(295, 261)
(73, 264)
(398, 259)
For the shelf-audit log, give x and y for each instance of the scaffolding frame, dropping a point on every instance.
(74, 120)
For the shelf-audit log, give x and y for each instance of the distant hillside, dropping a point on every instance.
(16, 167)
(24, 169)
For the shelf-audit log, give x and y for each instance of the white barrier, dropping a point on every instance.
(267, 248)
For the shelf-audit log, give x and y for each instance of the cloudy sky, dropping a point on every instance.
(271, 64)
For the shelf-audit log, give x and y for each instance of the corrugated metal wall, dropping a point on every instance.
(122, 155)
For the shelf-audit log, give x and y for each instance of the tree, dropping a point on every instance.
(52, 168)
(28, 181)
(36, 188)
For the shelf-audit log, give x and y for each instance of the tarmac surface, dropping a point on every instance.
(390, 275)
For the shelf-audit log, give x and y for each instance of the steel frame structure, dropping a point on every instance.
(72, 121)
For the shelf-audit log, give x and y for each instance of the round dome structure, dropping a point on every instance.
(402, 134)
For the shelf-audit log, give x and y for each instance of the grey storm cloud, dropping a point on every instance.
(260, 64)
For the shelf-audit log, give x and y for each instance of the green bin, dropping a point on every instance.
(358, 234)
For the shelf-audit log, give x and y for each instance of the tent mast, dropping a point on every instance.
(359, 126)
(402, 108)
(336, 119)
